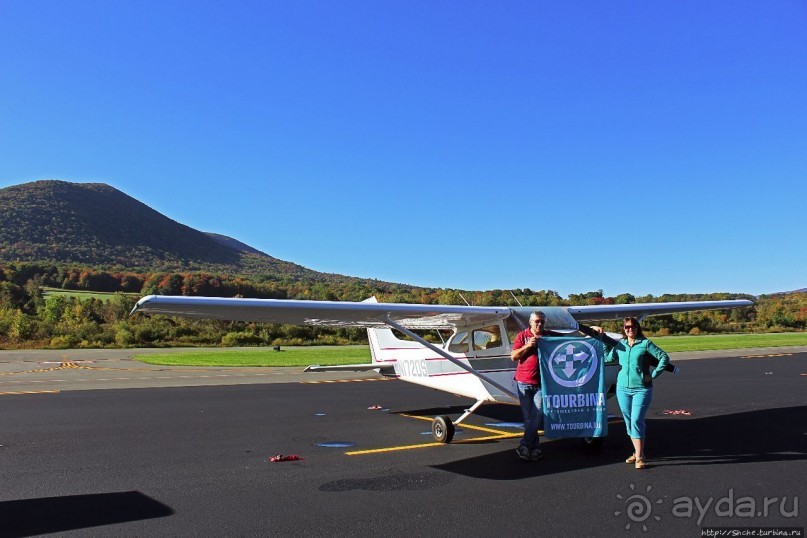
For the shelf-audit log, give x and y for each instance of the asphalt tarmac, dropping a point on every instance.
(185, 452)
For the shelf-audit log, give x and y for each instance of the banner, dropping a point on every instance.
(573, 381)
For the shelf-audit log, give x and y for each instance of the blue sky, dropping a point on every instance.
(629, 146)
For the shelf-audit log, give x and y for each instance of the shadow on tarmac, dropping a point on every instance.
(30, 517)
(751, 437)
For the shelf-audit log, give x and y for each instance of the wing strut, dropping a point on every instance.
(454, 360)
(469, 412)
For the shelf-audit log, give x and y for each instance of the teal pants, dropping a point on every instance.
(634, 404)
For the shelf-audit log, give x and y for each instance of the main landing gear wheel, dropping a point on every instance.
(593, 443)
(442, 429)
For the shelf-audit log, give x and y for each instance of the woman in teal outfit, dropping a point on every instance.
(634, 384)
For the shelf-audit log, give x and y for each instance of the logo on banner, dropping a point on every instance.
(573, 364)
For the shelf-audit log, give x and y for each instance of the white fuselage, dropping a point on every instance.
(485, 349)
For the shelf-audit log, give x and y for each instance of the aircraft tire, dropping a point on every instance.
(442, 429)
(593, 443)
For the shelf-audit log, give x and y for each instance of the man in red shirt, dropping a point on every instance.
(528, 380)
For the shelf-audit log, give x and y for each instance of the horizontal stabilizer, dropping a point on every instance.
(343, 368)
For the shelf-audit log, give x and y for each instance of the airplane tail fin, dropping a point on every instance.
(383, 346)
(384, 343)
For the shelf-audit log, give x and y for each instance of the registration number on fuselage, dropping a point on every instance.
(412, 368)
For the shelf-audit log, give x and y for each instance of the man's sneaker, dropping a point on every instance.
(536, 454)
(523, 453)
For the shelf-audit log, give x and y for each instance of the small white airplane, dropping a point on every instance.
(472, 358)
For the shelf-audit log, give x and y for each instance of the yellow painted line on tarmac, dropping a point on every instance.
(765, 356)
(464, 425)
(497, 435)
(389, 449)
(30, 392)
(504, 435)
(40, 370)
(70, 365)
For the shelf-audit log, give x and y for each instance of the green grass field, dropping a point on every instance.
(103, 296)
(291, 356)
(333, 355)
(729, 341)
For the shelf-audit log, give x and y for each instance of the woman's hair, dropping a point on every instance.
(634, 321)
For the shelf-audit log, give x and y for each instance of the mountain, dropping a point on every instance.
(800, 290)
(98, 225)
(234, 244)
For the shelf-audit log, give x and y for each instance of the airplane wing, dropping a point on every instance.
(404, 317)
(412, 316)
(639, 310)
(323, 313)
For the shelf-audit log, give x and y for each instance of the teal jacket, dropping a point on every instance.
(637, 370)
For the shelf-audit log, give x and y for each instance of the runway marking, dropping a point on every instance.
(65, 365)
(464, 425)
(236, 377)
(30, 392)
(765, 356)
(497, 435)
(389, 449)
(76, 365)
(345, 380)
(503, 435)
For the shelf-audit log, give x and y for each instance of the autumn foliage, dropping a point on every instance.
(29, 317)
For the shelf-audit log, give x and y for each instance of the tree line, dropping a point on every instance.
(31, 318)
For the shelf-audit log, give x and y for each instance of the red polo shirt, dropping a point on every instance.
(527, 370)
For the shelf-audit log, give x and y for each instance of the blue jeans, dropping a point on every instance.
(634, 404)
(532, 409)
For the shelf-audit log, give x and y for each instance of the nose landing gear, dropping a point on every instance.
(442, 429)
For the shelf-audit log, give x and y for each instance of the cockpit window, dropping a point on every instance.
(459, 343)
(513, 328)
(488, 338)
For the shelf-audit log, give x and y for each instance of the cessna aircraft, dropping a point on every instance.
(473, 360)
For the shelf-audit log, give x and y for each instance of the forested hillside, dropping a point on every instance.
(57, 237)
(93, 224)
(33, 316)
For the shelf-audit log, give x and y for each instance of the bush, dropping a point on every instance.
(241, 339)
(331, 340)
(64, 342)
(22, 327)
(290, 342)
(88, 330)
(7, 317)
(152, 330)
(124, 337)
